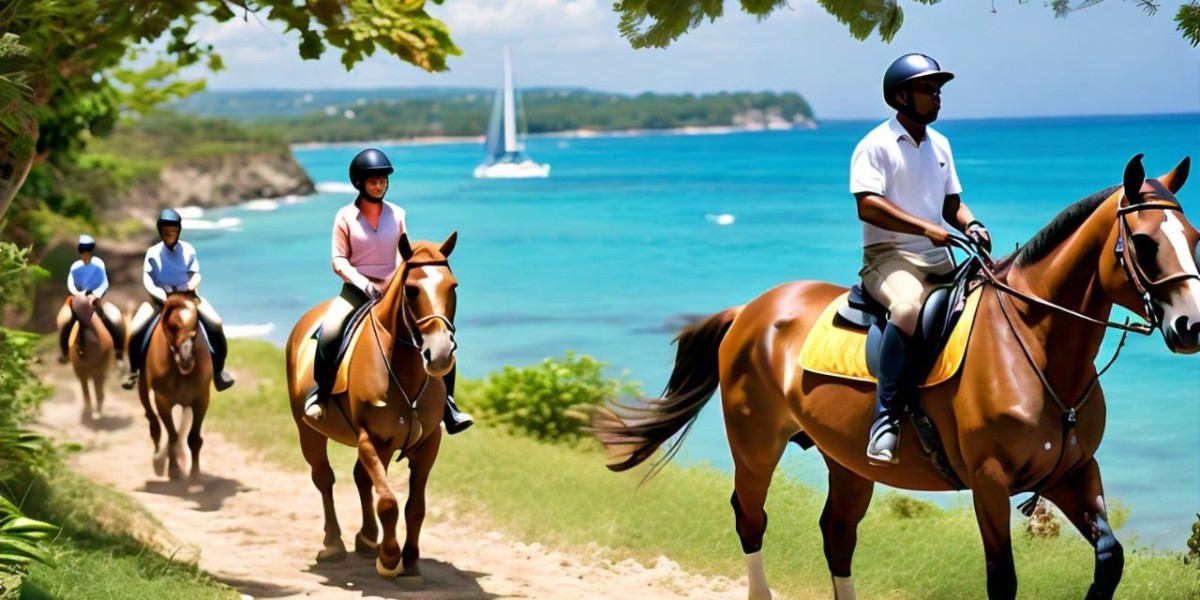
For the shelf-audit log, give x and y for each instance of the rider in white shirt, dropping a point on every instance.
(903, 178)
(88, 281)
(170, 266)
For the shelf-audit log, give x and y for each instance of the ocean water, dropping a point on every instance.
(631, 235)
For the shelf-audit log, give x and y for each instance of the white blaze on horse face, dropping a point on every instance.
(1173, 229)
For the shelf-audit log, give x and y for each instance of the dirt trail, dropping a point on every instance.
(261, 537)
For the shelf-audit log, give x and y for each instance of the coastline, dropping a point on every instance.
(439, 140)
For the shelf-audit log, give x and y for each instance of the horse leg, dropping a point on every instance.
(755, 456)
(366, 543)
(989, 489)
(387, 564)
(98, 384)
(168, 420)
(86, 415)
(845, 505)
(155, 426)
(315, 447)
(194, 440)
(420, 463)
(1081, 498)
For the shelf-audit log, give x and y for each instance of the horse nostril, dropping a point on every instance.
(427, 354)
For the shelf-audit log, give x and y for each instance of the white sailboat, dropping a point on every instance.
(505, 157)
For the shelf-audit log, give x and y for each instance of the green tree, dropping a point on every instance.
(61, 60)
(657, 23)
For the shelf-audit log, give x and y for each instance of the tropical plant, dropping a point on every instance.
(657, 23)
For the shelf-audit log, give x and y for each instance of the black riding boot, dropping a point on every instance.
(455, 420)
(116, 330)
(895, 361)
(136, 358)
(220, 349)
(324, 372)
(64, 339)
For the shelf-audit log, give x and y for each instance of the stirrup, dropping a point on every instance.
(883, 448)
(314, 406)
(130, 380)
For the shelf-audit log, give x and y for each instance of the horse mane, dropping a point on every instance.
(1058, 229)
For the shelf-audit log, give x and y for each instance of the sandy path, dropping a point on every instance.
(261, 538)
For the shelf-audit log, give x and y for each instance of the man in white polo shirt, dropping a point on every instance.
(171, 266)
(903, 178)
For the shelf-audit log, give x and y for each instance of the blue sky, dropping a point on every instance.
(1019, 61)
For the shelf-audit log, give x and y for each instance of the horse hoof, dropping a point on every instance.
(332, 554)
(174, 473)
(387, 573)
(364, 547)
(160, 465)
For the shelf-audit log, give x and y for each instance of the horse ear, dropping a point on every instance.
(1175, 179)
(448, 245)
(406, 249)
(1135, 176)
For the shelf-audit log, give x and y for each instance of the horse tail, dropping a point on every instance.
(632, 434)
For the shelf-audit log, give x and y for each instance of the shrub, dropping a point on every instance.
(1193, 543)
(907, 507)
(544, 401)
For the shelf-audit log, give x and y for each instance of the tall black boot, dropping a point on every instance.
(136, 359)
(116, 330)
(895, 361)
(220, 349)
(455, 420)
(324, 372)
(64, 339)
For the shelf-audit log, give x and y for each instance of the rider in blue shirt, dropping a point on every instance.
(88, 281)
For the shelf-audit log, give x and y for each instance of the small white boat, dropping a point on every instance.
(505, 158)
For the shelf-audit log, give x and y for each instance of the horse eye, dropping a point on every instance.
(412, 291)
(1145, 249)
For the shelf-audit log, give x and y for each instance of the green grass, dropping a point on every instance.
(565, 498)
(97, 556)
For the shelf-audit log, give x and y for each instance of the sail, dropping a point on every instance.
(494, 146)
(511, 143)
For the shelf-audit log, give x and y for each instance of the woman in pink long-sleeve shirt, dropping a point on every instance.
(366, 238)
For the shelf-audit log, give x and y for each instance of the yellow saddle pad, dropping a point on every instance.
(838, 351)
(308, 353)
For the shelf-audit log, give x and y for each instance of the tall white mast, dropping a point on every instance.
(511, 144)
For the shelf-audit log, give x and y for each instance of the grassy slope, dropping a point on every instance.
(565, 497)
(98, 556)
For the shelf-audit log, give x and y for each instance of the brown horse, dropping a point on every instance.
(392, 402)
(91, 352)
(1011, 402)
(178, 370)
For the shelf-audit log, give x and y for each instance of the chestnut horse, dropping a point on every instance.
(91, 350)
(178, 370)
(392, 403)
(1017, 393)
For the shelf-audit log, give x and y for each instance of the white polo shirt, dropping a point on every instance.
(915, 178)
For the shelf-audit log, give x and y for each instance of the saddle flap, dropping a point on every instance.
(353, 329)
(860, 311)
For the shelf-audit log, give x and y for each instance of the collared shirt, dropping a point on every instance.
(88, 277)
(168, 267)
(916, 178)
(362, 250)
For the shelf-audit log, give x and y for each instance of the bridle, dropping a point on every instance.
(1127, 255)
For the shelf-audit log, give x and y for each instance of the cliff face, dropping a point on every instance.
(217, 181)
(207, 182)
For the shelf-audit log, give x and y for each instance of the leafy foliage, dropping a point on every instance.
(544, 401)
(1193, 543)
(657, 23)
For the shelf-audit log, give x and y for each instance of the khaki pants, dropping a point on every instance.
(900, 280)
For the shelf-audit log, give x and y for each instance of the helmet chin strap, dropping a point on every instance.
(369, 198)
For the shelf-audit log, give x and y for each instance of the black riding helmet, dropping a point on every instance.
(369, 163)
(169, 217)
(906, 69)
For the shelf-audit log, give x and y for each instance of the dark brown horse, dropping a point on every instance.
(92, 349)
(1002, 426)
(178, 371)
(392, 403)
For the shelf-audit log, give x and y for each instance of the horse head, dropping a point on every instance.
(428, 298)
(180, 323)
(83, 311)
(1155, 273)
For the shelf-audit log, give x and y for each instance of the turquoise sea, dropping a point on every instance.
(630, 235)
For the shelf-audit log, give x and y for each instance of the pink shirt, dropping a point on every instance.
(361, 251)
